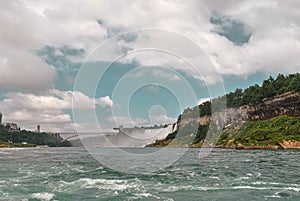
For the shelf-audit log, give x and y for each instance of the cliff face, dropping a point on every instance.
(272, 124)
(290, 144)
(285, 104)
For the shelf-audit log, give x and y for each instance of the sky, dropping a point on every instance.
(94, 65)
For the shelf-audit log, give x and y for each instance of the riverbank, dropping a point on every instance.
(16, 145)
(23, 138)
(288, 144)
(281, 132)
(292, 145)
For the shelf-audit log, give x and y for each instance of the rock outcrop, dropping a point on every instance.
(285, 104)
(290, 144)
(259, 132)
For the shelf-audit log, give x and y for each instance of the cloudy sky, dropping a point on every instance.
(97, 64)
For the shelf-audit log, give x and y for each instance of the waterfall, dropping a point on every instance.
(157, 134)
(175, 127)
(132, 137)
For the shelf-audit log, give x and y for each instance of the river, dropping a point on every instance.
(72, 174)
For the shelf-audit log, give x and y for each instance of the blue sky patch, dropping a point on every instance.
(233, 30)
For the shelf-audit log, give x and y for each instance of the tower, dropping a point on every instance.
(38, 129)
(0, 118)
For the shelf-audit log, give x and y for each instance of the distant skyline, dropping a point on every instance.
(44, 44)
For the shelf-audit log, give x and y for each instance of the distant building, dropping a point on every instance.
(0, 118)
(38, 129)
(11, 126)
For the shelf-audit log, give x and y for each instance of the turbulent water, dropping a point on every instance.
(71, 174)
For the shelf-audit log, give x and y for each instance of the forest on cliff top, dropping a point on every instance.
(252, 95)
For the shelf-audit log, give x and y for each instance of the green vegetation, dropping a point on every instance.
(259, 133)
(188, 135)
(262, 133)
(13, 145)
(251, 95)
(270, 88)
(200, 110)
(15, 138)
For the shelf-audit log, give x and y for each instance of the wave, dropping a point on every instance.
(105, 184)
(44, 196)
(206, 188)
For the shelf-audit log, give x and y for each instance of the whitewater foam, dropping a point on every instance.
(206, 188)
(44, 196)
(105, 184)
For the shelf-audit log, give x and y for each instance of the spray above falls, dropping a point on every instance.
(131, 137)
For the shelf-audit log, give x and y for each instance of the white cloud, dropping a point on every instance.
(271, 23)
(55, 100)
(203, 100)
(273, 46)
(162, 119)
(29, 25)
(274, 43)
(105, 101)
(127, 121)
(24, 71)
(48, 109)
(164, 73)
(78, 100)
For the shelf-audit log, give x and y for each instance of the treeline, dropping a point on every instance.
(29, 137)
(269, 88)
(251, 95)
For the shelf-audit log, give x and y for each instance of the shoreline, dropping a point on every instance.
(272, 147)
(20, 145)
(286, 144)
(231, 147)
(216, 147)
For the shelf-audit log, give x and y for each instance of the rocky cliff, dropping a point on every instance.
(272, 123)
(285, 104)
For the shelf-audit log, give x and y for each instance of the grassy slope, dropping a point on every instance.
(262, 133)
(258, 133)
